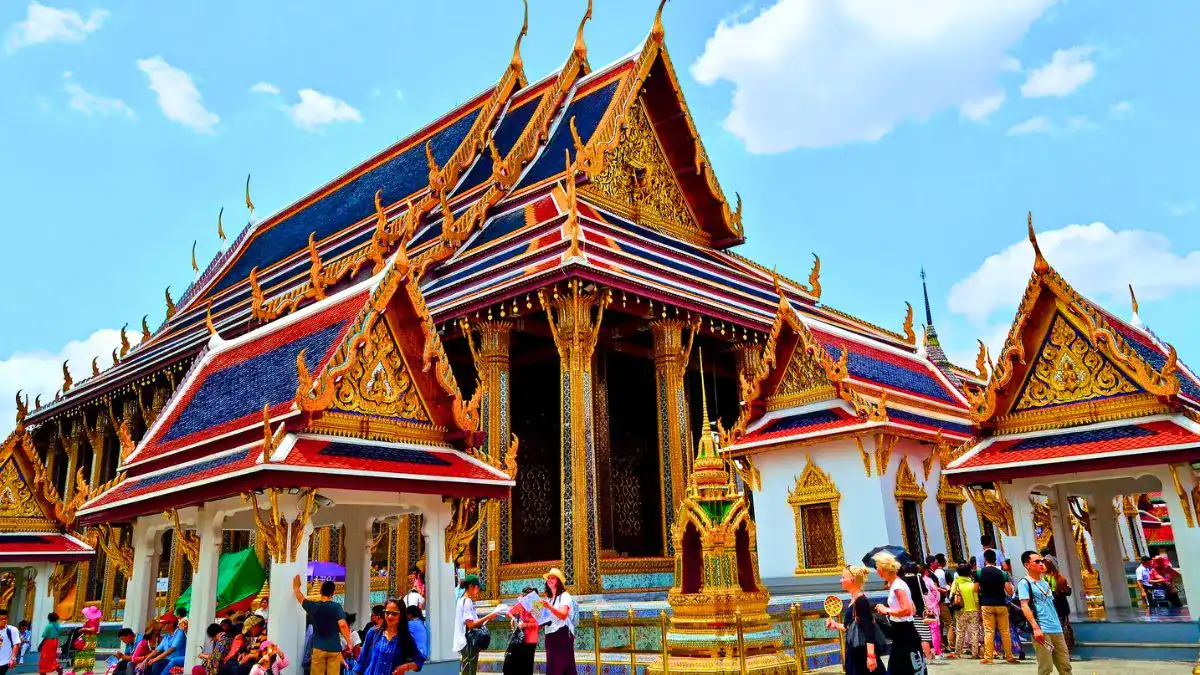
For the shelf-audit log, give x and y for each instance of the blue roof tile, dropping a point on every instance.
(507, 133)
(866, 367)
(587, 110)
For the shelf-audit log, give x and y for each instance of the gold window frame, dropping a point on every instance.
(814, 486)
(908, 489)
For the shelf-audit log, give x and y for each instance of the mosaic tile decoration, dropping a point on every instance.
(636, 581)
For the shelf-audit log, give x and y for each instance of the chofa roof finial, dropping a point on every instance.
(1039, 261)
(657, 31)
(249, 204)
(516, 57)
(580, 45)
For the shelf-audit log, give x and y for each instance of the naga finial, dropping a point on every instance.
(1039, 261)
(516, 62)
(124, 341)
(195, 267)
(220, 225)
(1133, 299)
(95, 366)
(37, 402)
(145, 327)
(434, 169)
(981, 365)
(67, 381)
(22, 408)
(115, 358)
(580, 45)
(814, 278)
(170, 303)
(657, 31)
(208, 321)
(249, 204)
(910, 336)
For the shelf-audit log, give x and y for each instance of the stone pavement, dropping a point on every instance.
(1029, 667)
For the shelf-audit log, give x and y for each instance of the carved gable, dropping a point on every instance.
(639, 183)
(1068, 369)
(379, 381)
(803, 381)
(20, 511)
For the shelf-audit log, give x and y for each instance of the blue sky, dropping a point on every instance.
(882, 138)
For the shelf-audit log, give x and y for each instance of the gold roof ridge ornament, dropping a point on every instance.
(910, 336)
(1135, 319)
(1039, 261)
(657, 32)
(580, 48)
(195, 267)
(145, 328)
(516, 62)
(67, 381)
(220, 226)
(170, 303)
(814, 278)
(124, 340)
(249, 203)
(981, 361)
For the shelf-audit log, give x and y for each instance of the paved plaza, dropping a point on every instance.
(1029, 666)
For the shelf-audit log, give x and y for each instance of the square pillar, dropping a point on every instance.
(203, 610)
(43, 602)
(671, 355)
(358, 566)
(142, 586)
(1107, 545)
(494, 541)
(1064, 547)
(1177, 487)
(439, 583)
(574, 317)
(284, 524)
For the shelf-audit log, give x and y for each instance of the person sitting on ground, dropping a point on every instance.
(124, 654)
(145, 646)
(170, 650)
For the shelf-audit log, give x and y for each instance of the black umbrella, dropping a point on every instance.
(898, 551)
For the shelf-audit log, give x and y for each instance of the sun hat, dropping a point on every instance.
(555, 572)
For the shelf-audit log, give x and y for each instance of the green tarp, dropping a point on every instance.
(240, 576)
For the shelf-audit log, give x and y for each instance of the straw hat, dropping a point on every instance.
(555, 572)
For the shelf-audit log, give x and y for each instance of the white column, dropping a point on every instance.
(358, 566)
(142, 586)
(1107, 546)
(209, 522)
(43, 604)
(439, 583)
(1064, 547)
(1187, 539)
(285, 624)
(1023, 538)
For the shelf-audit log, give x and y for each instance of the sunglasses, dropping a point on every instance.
(390, 613)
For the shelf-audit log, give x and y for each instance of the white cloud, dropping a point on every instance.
(818, 73)
(981, 109)
(1096, 260)
(1079, 123)
(1068, 70)
(40, 372)
(1034, 125)
(92, 105)
(1120, 109)
(265, 88)
(49, 24)
(1179, 209)
(316, 110)
(177, 95)
(400, 94)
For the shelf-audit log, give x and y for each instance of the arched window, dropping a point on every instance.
(910, 496)
(814, 501)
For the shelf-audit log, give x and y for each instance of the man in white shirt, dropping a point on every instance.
(1142, 574)
(10, 644)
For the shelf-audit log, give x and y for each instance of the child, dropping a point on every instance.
(26, 640)
(272, 661)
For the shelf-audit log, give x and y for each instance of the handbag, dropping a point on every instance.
(517, 637)
(479, 639)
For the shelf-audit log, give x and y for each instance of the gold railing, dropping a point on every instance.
(801, 642)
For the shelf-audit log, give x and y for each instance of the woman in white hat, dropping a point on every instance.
(560, 632)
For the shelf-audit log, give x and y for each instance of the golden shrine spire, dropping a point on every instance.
(710, 478)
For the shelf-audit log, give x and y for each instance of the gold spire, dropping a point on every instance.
(170, 303)
(67, 381)
(249, 204)
(705, 424)
(145, 327)
(95, 366)
(1133, 299)
(195, 267)
(580, 45)
(657, 32)
(516, 62)
(1039, 262)
(814, 278)
(220, 227)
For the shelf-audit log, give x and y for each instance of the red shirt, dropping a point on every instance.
(524, 616)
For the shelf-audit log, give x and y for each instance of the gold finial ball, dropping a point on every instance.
(833, 606)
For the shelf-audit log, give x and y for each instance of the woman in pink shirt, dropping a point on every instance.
(518, 658)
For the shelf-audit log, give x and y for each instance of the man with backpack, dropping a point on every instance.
(1037, 603)
(10, 644)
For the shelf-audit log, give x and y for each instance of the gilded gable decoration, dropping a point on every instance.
(1068, 370)
(814, 500)
(379, 381)
(950, 494)
(638, 181)
(1083, 358)
(907, 486)
(990, 504)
